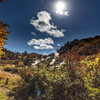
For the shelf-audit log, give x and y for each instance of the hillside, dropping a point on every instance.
(63, 75)
(87, 46)
(16, 58)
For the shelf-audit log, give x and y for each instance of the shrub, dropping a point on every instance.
(79, 79)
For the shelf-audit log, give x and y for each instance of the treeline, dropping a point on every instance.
(87, 46)
(17, 58)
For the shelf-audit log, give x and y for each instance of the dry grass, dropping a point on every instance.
(13, 78)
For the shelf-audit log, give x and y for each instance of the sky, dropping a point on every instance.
(43, 26)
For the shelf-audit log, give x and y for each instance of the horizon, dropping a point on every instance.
(52, 52)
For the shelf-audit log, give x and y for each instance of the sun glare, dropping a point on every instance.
(60, 7)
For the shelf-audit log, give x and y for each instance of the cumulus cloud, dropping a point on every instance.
(43, 46)
(43, 24)
(42, 43)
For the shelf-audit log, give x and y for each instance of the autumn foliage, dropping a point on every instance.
(3, 34)
(72, 59)
(78, 79)
(1, 0)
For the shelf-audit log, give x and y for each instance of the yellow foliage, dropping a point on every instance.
(92, 73)
(3, 34)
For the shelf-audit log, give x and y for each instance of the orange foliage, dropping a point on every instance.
(3, 34)
(1, 0)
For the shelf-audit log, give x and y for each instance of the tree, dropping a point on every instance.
(1, 0)
(3, 34)
(25, 53)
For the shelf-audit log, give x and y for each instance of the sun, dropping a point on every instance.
(60, 7)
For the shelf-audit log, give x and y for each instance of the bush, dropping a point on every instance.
(79, 79)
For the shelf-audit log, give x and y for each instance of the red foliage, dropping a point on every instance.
(72, 59)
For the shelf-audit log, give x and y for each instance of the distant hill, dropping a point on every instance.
(16, 57)
(87, 46)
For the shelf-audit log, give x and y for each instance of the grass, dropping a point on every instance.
(13, 79)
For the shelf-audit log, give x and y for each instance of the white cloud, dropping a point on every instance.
(66, 13)
(43, 46)
(59, 45)
(62, 13)
(42, 43)
(33, 33)
(43, 24)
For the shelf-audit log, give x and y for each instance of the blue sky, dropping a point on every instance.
(83, 21)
